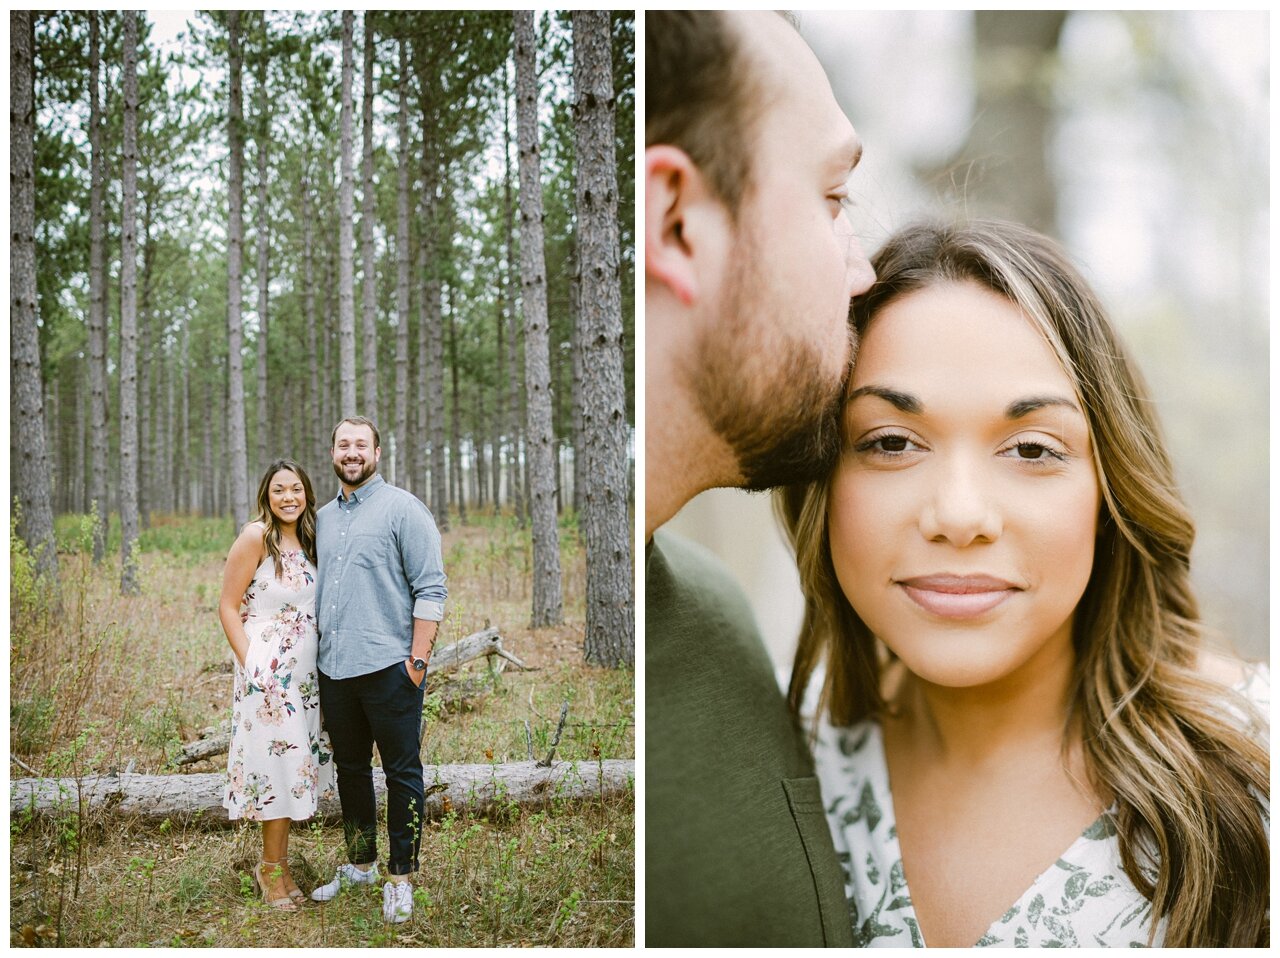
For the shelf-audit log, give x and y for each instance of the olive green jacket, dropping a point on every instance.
(737, 850)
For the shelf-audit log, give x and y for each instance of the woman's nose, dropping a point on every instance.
(960, 508)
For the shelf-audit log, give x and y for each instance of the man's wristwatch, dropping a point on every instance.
(419, 665)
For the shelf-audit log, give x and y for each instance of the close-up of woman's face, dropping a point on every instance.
(963, 511)
(287, 496)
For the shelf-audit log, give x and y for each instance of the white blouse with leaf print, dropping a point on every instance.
(1084, 899)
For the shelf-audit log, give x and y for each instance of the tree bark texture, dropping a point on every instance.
(470, 789)
(575, 354)
(315, 408)
(263, 238)
(129, 315)
(346, 239)
(500, 393)
(97, 306)
(29, 466)
(515, 479)
(455, 425)
(431, 332)
(610, 638)
(369, 286)
(401, 461)
(150, 463)
(547, 609)
(236, 461)
(419, 388)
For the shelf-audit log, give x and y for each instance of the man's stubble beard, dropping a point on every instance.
(780, 413)
(366, 473)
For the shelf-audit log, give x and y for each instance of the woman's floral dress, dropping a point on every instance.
(1084, 899)
(280, 764)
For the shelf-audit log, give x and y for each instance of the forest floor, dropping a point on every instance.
(106, 681)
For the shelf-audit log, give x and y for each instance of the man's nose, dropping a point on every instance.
(858, 271)
(960, 507)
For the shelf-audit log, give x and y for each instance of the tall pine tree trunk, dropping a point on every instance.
(330, 335)
(129, 315)
(263, 137)
(147, 465)
(455, 440)
(208, 478)
(610, 638)
(182, 448)
(430, 331)
(515, 473)
(80, 458)
(537, 359)
(575, 353)
(369, 287)
(346, 240)
(29, 469)
(499, 393)
(419, 486)
(97, 306)
(236, 461)
(401, 460)
(315, 411)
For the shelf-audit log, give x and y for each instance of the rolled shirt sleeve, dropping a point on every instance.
(422, 563)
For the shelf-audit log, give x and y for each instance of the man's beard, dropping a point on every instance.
(780, 411)
(367, 470)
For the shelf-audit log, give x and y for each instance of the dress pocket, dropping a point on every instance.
(805, 802)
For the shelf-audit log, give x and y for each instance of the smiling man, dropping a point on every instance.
(380, 600)
(750, 264)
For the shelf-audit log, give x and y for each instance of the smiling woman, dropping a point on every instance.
(996, 589)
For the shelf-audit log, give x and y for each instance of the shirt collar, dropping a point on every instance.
(363, 492)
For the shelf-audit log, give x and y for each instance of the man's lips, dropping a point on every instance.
(957, 596)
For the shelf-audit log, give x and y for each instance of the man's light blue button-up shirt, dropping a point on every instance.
(380, 568)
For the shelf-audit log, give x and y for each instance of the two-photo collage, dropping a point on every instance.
(387, 569)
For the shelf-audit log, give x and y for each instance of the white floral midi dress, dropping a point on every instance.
(280, 763)
(1084, 899)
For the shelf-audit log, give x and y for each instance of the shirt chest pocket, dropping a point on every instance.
(370, 551)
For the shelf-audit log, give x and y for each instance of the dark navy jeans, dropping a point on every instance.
(385, 708)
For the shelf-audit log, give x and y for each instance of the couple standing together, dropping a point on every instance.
(1017, 734)
(333, 610)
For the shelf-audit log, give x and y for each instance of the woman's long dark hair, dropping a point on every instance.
(306, 527)
(1173, 749)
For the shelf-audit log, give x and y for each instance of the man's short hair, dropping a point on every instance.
(356, 421)
(700, 95)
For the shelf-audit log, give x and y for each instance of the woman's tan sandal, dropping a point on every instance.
(285, 903)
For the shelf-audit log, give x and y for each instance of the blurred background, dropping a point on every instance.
(1140, 141)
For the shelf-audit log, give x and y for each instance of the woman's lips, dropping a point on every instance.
(956, 596)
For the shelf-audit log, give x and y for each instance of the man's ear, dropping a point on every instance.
(679, 208)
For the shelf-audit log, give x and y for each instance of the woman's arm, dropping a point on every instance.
(243, 560)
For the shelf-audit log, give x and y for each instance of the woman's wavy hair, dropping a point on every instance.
(306, 528)
(1177, 753)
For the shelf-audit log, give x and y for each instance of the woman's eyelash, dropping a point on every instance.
(1053, 453)
(871, 443)
(874, 445)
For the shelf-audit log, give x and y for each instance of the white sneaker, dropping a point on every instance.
(347, 875)
(397, 901)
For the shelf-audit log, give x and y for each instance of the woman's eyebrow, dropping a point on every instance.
(1022, 407)
(904, 402)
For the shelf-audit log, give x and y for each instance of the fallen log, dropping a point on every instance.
(473, 789)
(485, 643)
